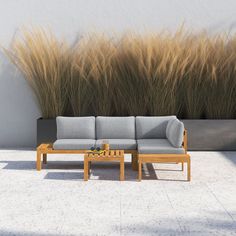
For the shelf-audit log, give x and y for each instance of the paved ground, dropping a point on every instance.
(56, 201)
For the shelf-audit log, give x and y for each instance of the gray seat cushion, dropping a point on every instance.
(115, 127)
(175, 132)
(126, 144)
(152, 127)
(74, 144)
(75, 127)
(157, 146)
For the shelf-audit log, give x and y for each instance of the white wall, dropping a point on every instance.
(69, 18)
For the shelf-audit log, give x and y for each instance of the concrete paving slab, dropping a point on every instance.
(56, 200)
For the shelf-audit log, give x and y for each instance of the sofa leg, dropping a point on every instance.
(86, 165)
(189, 170)
(44, 158)
(38, 162)
(139, 170)
(134, 162)
(122, 170)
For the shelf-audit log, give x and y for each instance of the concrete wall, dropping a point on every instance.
(68, 18)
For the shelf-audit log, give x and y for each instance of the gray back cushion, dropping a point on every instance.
(115, 127)
(152, 127)
(175, 132)
(75, 127)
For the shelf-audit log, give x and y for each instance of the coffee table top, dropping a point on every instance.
(106, 154)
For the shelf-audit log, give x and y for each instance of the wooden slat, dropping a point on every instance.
(49, 150)
(106, 153)
(56, 151)
(104, 159)
(119, 153)
(163, 155)
(152, 159)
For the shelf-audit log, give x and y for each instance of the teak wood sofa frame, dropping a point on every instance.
(47, 148)
(167, 158)
(137, 159)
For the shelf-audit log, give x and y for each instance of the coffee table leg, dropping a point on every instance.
(122, 169)
(85, 169)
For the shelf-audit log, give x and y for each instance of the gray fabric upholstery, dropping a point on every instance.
(157, 146)
(174, 132)
(126, 144)
(115, 127)
(74, 144)
(75, 127)
(155, 135)
(152, 127)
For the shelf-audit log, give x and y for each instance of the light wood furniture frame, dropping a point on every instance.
(167, 158)
(46, 148)
(107, 156)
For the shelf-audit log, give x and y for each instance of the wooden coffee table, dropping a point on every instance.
(107, 156)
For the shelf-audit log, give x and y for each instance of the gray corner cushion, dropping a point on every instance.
(123, 144)
(75, 127)
(115, 127)
(174, 132)
(152, 126)
(157, 146)
(74, 144)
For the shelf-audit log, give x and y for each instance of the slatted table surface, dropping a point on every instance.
(106, 156)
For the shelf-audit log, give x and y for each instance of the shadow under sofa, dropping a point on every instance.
(152, 139)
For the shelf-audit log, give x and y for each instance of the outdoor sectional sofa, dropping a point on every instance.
(161, 139)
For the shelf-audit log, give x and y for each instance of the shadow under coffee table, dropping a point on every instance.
(107, 156)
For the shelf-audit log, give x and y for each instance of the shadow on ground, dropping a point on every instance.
(31, 165)
(64, 176)
(101, 171)
(189, 226)
(231, 156)
(25, 233)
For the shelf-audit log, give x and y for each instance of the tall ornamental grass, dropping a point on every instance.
(45, 63)
(92, 84)
(192, 75)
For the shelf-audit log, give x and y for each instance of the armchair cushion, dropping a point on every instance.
(174, 132)
(157, 146)
(152, 127)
